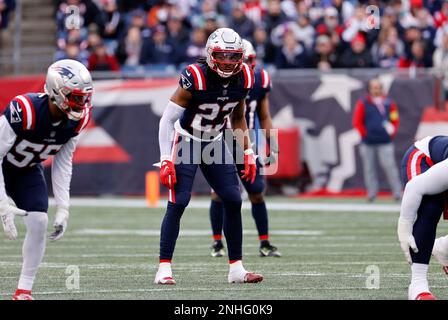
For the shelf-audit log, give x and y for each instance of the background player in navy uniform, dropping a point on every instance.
(34, 127)
(425, 173)
(197, 113)
(257, 111)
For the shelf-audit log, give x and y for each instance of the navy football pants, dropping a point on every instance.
(430, 210)
(26, 186)
(222, 177)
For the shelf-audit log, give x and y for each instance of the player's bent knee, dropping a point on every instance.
(230, 193)
(37, 222)
(183, 198)
(256, 198)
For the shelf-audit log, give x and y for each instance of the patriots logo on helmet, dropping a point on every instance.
(65, 73)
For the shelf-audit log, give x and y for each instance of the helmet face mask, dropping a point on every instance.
(69, 86)
(225, 52)
(227, 61)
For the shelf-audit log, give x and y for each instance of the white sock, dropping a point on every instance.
(237, 267)
(165, 266)
(33, 247)
(419, 280)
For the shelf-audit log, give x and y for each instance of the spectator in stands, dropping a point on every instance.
(129, 49)
(324, 56)
(301, 28)
(196, 49)
(292, 54)
(208, 17)
(357, 56)
(112, 22)
(177, 33)
(263, 46)
(73, 51)
(417, 58)
(157, 50)
(241, 23)
(100, 60)
(440, 60)
(158, 14)
(387, 56)
(274, 16)
(376, 119)
(6, 7)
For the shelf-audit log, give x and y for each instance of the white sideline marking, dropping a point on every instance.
(188, 233)
(205, 204)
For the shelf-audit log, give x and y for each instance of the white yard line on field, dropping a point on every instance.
(272, 205)
(187, 232)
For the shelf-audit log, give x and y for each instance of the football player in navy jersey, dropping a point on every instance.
(209, 91)
(257, 111)
(425, 174)
(34, 127)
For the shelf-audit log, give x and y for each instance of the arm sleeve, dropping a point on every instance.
(431, 182)
(61, 173)
(172, 113)
(358, 119)
(7, 139)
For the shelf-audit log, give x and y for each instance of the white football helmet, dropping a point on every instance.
(69, 86)
(225, 52)
(250, 55)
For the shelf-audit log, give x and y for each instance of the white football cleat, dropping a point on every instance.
(164, 275)
(440, 254)
(22, 295)
(247, 277)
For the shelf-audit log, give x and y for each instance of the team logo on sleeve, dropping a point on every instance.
(185, 82)
(15, 110)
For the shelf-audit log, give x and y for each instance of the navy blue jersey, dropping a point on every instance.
(438, 148)
(37, 137)
(214, 98)
(261, 87)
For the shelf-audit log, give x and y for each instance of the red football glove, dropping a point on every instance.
(167, 174)
(250, 166)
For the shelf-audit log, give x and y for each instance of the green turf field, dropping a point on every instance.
(325, 256)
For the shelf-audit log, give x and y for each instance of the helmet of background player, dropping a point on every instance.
(69, 86)
(225, 52)
(250, 56)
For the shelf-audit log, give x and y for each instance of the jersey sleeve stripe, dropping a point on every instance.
(248, 77)
(195, 77)
(197, 72)
(26, 111)
(265, 78)
(33, 112)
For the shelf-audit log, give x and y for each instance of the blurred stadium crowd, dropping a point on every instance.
(324, 34)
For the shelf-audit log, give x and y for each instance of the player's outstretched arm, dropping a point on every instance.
(239, 126)
(61, 175)
(431, 182)
(173, 111)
